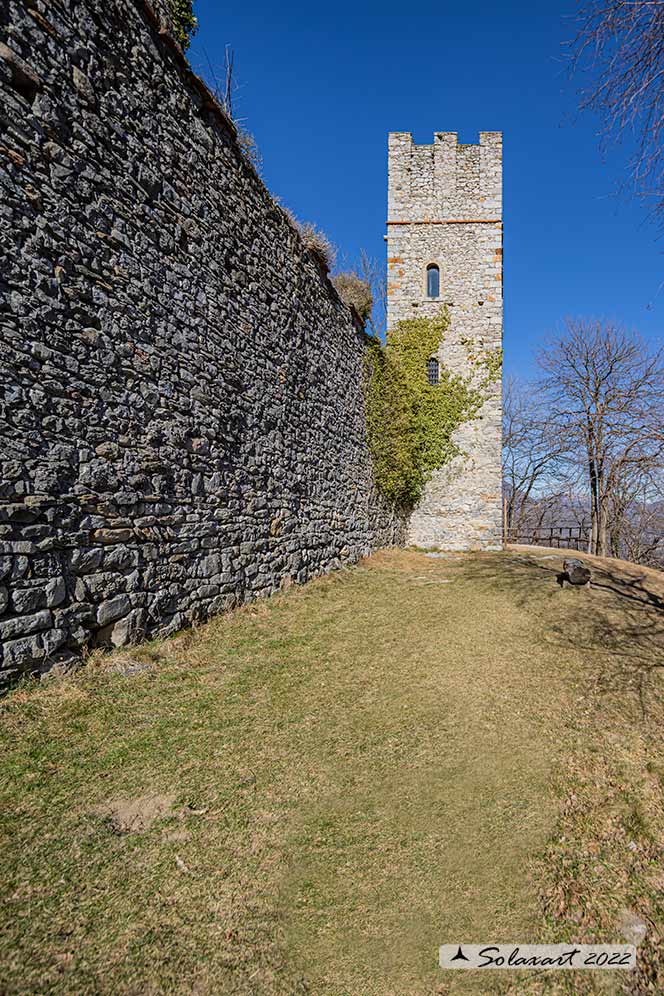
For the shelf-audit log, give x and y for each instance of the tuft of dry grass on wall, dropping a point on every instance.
(249, 148)
(290, 217)
(354, 292)
(313, 238)
(318, 243)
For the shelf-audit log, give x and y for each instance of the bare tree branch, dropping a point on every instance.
(620, 44)
(531, 458)
(604, 392)
(375, 275)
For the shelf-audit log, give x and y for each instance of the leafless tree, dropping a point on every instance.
(374, 273)
(620, 43)
(641, 536)
(531, 454)
(604, 391)
(636, 526)
(225, 91)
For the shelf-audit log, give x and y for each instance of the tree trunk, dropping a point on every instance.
(594, 506)
(603, 525)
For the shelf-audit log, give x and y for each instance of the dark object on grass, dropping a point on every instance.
(575, 572)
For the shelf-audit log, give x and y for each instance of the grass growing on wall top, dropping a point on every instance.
(409, 421)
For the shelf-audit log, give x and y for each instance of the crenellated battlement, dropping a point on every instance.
(445, 181)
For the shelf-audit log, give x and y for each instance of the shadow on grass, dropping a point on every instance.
(618, 622)
(605, 858)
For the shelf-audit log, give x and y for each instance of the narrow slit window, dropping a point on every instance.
(433, 281)
(432, 370)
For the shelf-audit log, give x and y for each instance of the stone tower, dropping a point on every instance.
(444, 247)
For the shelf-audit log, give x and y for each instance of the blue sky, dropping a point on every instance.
(321, 85)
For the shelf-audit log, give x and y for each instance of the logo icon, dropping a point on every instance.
(459, 956)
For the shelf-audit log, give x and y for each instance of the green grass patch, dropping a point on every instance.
(309, 795)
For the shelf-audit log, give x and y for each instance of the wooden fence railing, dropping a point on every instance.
(561, 537)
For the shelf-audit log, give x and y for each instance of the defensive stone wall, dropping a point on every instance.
(445, 210)
(182, 416)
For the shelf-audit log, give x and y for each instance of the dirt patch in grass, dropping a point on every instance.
(414, 751)
(135, 815)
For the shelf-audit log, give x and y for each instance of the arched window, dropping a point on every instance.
(433, 280)
(432, 370)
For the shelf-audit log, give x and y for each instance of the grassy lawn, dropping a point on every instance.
(311, 794)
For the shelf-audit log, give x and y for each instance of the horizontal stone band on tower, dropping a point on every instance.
(450, 221)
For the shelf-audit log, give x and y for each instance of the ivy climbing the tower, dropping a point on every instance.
(410, 422)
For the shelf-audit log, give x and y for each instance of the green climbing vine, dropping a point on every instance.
(492, 361)
(184, 20)
(488, 360)
(409, 421)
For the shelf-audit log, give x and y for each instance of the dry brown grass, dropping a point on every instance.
(410, 752)
(603, 864)
(355, 293)
(318, 244)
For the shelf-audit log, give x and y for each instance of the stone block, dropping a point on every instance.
(128, 630)
(26, 600)
(108, 536)
(53, 640)
(112, 609)
(22, 652)
(56, 592)
(20, 625)
(17, 546)
(209, 566)
(86, 561)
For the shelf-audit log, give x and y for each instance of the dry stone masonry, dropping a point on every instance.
(445, 210)
(182, 409)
